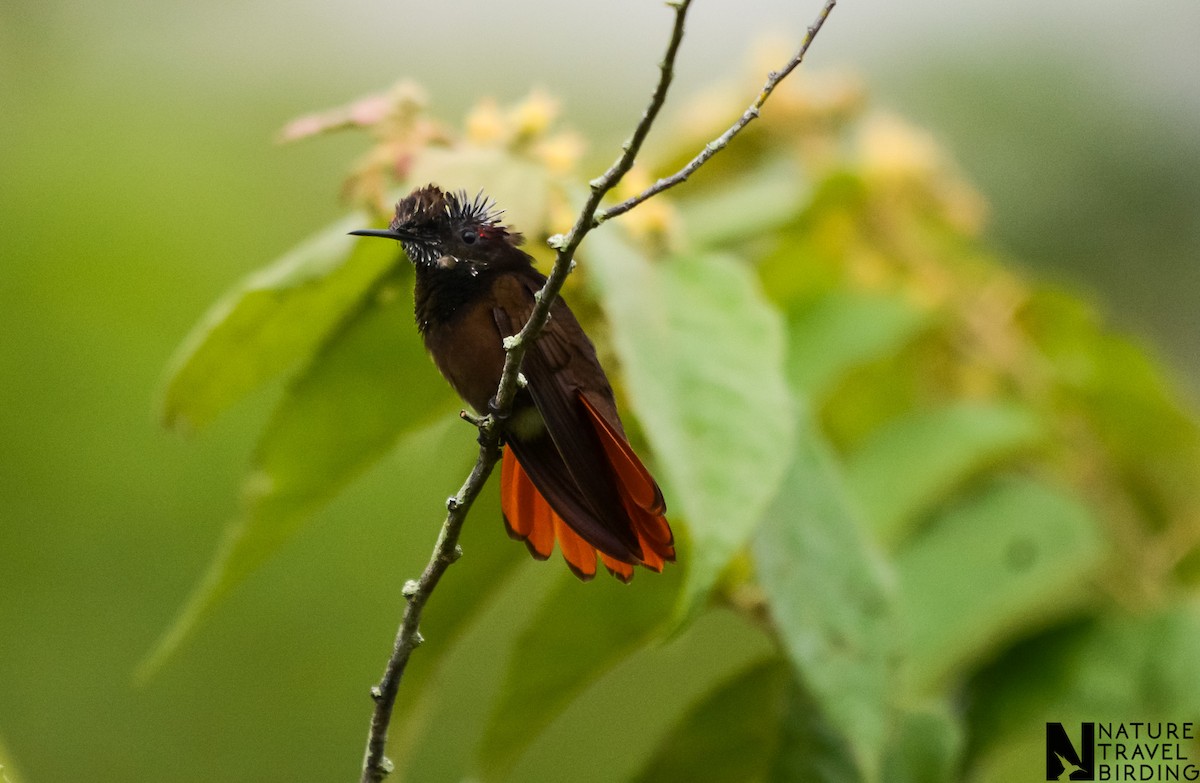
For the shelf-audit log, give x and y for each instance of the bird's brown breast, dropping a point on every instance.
(469, 351)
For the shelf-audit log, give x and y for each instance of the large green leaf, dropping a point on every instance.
(908, 466)
(731, 735)
(842, 329)
(809, 748)
(831, 599)
(271, 321)
(703, 354)
(998, 564)
(369, 384)
(925, 745)
(760, 725)
(579, 633)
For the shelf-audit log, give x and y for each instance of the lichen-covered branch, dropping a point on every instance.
(722, 141)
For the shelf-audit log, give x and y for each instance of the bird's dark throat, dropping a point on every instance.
(440, 292)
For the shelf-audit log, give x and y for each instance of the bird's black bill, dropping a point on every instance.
(382, 233)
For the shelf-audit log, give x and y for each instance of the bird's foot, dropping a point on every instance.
(500, 418)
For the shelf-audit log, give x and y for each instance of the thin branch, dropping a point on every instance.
(566, 246)
(376, 766)
(722, 141)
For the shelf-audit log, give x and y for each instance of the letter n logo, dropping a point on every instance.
(1063, 761)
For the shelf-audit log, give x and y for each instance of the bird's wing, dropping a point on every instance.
(595, 484)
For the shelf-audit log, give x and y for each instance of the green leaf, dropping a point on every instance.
(610, 730)
(996, 565)
(761, 725)
(1111, 667)
(580, 632)
(912, 463)
(809, 749)
(731, 735)
(841, 330)
(702, 353)
(831, 599)
(368, 385)
(271, 321)
(925, 746)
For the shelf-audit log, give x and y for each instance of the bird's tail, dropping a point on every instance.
(530, 518)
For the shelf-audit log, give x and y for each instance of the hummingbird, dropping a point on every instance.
(568, 474)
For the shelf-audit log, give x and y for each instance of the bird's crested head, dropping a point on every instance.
(445, 229)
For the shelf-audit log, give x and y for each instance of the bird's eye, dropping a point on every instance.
(468, 236)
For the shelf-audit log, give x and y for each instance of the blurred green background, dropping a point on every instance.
(138, 180)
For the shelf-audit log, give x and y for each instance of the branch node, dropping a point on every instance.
(410, 589)
(471, 418)
(557, 242)
(452, 503)
(417, 639)
(510, 342)
(496, 413)
(376, 693)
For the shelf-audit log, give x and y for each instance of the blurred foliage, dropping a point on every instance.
(947, 501)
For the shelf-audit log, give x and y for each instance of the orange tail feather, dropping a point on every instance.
(639, 492)
(529, 517)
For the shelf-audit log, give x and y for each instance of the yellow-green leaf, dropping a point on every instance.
(270, 322)
(730, 735)
(366, 387)
(831, 600)
(1000, 563)
(703, 354)
(579, 633)
(913, 462)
